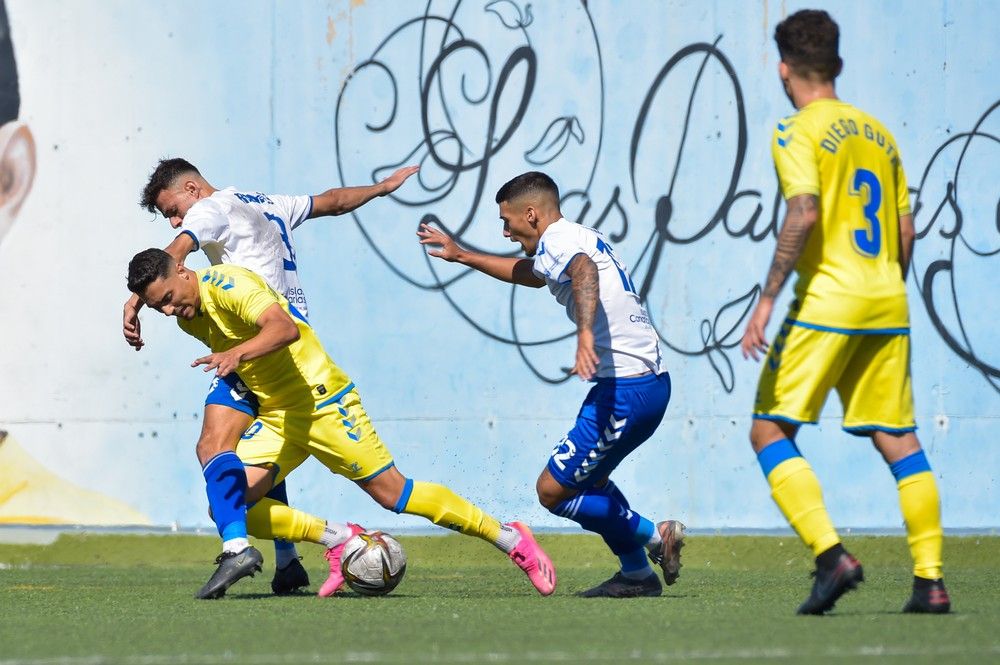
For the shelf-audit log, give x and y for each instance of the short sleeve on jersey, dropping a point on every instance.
(902, 189)
(555, 252)
(296, 209)
(241, 292)
(206, 222)
(794, 159)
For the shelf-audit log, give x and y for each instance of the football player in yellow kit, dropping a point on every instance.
(848, 233)
(308, 406)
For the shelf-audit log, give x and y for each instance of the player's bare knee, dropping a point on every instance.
(550, 493)
(220, 431)
(209, 445)
(548, 501)
(765, 432)
(386, 488)
(384, 496)
(387, 501)
(895, 446)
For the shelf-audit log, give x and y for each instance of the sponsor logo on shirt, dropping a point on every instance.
(253, 198)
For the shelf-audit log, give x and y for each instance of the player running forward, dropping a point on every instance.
(252, 230)
(307, 404)
(617, 348)
(848, 232)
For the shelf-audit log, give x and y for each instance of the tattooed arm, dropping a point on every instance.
(586, 292)
(802, 213)
(800, 217)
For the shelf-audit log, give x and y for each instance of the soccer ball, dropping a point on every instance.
(373, 563)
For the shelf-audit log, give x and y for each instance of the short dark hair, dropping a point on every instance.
(808, 42)
(164, 175)
(531, 182)
(146, 267)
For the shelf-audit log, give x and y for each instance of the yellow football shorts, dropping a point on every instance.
(339, 434)
(870, 372)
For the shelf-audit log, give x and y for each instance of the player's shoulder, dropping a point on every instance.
(237, 197)
(227, 276)
(786, 128)
(785, 123)
(564, 228)
(215, 204)
(563, 235)
(874, 124)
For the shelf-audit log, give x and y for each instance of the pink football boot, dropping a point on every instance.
(336, 578)
(532, 559)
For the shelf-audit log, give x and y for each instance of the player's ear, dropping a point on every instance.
(17, 170)
(783, 70)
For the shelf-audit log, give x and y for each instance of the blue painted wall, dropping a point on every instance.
(654, 118)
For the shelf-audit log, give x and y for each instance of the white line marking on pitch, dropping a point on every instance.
(873, 651)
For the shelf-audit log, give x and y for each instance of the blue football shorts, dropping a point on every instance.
(232, 392)
(617, 415)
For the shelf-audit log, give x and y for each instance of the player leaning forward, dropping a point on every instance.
(617, 348)
(252, 230)
(848, 232)
(307, 404)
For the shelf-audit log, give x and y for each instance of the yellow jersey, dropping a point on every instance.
(299, 377)
(849, 273)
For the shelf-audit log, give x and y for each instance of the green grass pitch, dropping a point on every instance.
(91, 599)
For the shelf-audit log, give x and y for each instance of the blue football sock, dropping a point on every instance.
(226, 486)
(603, 514)
(284, 551)
(644, 530)
(635, 564)
(612, 490)
(279, 493)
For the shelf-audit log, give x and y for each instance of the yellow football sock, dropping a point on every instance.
(796, 490)
(445, 508)
(270, 519)
(921, 506)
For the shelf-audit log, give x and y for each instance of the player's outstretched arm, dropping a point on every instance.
(800, 217)
(505, 268)
(340, 200)
(181, 246)
(582, 272)
(277, 330)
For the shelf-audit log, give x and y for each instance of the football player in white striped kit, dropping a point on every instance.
(617, 349)
(254, 231)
